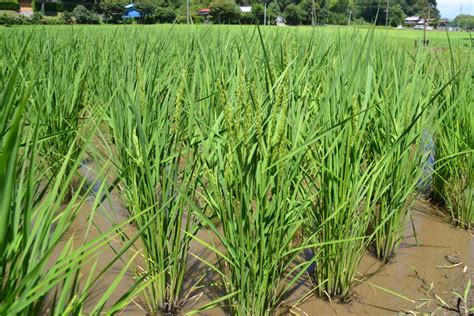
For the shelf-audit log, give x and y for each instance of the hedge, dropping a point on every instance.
(9, 5)
(13, 19)
(62, 6)
(69, 6)
(48, 6)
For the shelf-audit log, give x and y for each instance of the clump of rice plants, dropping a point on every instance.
(34, 218)
(339, 180)
(454, 139)
(252, 191)
(59, 103)
(157, 164)
(338, 219)
(399, 120)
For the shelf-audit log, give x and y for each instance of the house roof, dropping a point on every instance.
(132, 14)
(246, 9)
(412, 18)
(129, 6)
(206, 10)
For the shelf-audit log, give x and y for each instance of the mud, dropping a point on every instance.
(414, 279)
(418, 279)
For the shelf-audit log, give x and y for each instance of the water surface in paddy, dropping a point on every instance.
(417, 274)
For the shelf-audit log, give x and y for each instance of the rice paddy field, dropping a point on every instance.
(227, 170)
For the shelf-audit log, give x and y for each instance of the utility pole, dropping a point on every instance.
(460, 13)
(313, 14)
(424, 24)
(424, 31)
(386, 13)
(264, 12)
(349, 20)
(188, 18)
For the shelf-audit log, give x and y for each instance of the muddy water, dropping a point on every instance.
(415, 276)
(84, 230)
(410, 283)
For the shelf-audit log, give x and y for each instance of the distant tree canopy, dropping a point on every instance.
(296, 12)
(376, 11)
(465, 21)
(224, 11)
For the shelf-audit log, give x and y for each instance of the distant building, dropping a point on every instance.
(246, 9)
(131, 12)
(412, 20)
(204, 12)
(420, 23)
(448, 28)
(280, 20)
(423, 27)
(443, 22)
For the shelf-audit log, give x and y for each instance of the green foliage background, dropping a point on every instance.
(295, 12)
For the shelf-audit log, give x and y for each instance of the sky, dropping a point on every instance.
(451, 8)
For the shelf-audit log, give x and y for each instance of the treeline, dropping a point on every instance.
(294, 12)
(464, 21)
(351, 11)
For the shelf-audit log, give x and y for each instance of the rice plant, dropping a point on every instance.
(33, 216)
(42, 268)
(396, 135)
(297, 149)
(338, 219)
(59, 101)
(454, 169)
(252, 178)
(339, 180)
(157, 164)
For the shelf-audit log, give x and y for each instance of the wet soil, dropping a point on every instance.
(418, 279)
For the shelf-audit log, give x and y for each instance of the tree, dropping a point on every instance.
(148, 12)
(112, 12)
(396, 15)
(224, 11)
(165, 14)
(324, 15)
(273, 10)
(465, 21)
(427, 8)
(375, 10)
(84, 16)
(293, 14)
(258, 10)
(341, 6)
(372, 11)
(306, 7)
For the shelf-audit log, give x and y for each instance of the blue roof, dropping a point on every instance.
(132, 14)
